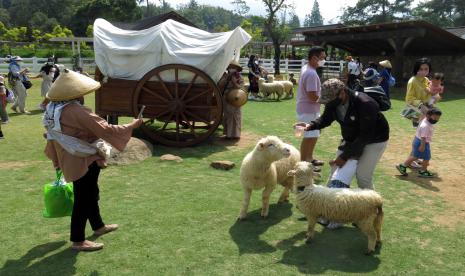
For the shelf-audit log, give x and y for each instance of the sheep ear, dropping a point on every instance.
(261, 146)
(291, 173)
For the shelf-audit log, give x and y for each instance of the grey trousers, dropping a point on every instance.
(20, 96)
(366, 164)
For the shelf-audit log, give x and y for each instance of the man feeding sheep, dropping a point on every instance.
(364, 129)
(308, 107)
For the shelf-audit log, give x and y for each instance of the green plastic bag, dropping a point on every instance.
(58, 198)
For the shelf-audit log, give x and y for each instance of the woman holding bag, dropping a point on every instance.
(71, 128)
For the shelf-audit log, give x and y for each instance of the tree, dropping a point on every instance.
(444, 13)
(277, 31)
(241, 7)
(112, 10)
(314, 18)
(377, 11)
(42, 22)
(294, 22)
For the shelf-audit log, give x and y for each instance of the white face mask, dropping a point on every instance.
(321, 63)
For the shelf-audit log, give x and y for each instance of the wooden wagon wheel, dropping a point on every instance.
(182, 111)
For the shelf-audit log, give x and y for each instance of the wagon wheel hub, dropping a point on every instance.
(176, 105)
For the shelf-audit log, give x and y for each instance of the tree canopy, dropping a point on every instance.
(314, 18)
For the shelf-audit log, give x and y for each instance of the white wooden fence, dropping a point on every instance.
(330, 69)
(34, 64)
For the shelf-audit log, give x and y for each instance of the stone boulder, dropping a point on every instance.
(137, 150)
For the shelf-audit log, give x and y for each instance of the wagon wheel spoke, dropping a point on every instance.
(187, 122)
(177, 127)
(176, 81)
(168, 121)
(167, 91)
(199, 106)
(197, 117)
(162, 113)
(154, 94)
(196, 96)
(189, 87)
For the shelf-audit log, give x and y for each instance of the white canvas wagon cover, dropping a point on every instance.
(126, 54)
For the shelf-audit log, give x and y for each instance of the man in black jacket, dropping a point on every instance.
(364, 129)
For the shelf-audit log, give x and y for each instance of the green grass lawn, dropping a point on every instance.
(180, 218)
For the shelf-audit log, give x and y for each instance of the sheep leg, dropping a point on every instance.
(266, 201)
(367, 227)
(378, 225)
(284, 195)
(310, 228)
(245, 203)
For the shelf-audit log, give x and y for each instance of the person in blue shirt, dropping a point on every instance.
(385, 75)
(16, 77)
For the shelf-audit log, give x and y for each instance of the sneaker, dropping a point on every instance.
(402, 169)
(415, 165)
(25, 112)
(5, 122)
(334, 225)
(1, 135)
(426, 174)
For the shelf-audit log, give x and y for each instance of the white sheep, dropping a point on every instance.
(288, 86)
(261, 169)
(363, 207)
(268, 89)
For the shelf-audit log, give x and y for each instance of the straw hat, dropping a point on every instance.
(16, 58)
(386, 64)
(235, 64)
(71, 85)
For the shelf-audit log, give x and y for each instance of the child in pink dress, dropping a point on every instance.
(436, 88)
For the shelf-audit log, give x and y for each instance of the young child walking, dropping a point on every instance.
(421, 144)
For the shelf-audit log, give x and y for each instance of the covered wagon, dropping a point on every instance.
(172, 69)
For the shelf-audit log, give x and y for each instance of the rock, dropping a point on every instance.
(222, 165)
(136, 151)
(170, 157)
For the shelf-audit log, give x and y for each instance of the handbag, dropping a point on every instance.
(10, 97)
(58, 197)
(27, 84)
(391, 81)
(410, 112)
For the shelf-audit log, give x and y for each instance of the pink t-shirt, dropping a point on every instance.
(425, 130)
(309, 81)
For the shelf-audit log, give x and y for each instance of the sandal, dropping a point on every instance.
(87, 246)
(402, 169)
(426, 173)
(105, 229)
(316, 162)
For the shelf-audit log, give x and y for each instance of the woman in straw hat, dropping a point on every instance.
(385, 76)
(71, 128)
(232, 120)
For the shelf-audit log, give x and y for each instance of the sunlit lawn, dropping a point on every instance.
(180, 218)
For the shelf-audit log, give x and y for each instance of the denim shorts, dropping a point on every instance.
(425, 155)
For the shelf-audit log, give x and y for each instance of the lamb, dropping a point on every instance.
(268, 89)
(288, 86)
(363, 207)
(261, 169)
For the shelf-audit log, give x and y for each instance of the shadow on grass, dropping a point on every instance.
(336, 250)
(33, 263)
(246, 233)
(426, 183)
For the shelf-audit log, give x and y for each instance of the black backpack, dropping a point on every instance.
(379, 96)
